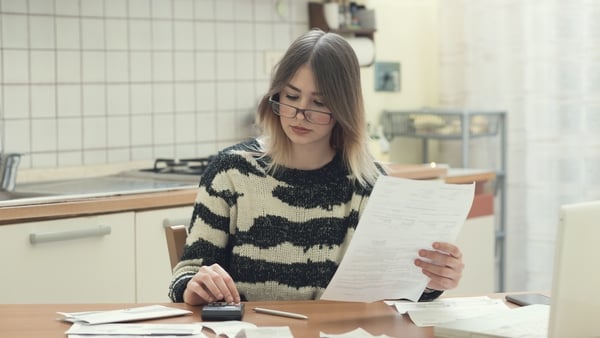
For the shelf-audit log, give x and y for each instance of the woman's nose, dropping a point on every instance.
(300, 112)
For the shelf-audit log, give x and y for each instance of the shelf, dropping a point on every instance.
(441, 124)
(316, 19)
(462, 125)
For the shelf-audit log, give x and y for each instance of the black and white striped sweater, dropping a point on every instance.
(280, 236)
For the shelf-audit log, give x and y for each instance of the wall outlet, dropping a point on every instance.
(271, 59)
(387, 76)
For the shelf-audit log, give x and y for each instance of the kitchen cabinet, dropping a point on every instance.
(476, 241)
(153, 268)
(90, 250)
(70, 260)
(120, 257)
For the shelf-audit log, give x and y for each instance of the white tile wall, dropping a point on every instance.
(40, 6)
(100, 81)
(16, 102)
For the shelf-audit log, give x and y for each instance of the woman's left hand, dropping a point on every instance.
(443, 265)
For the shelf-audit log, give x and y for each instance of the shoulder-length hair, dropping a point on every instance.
(337, 75)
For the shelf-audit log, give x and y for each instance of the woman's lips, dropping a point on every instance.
(300, 130)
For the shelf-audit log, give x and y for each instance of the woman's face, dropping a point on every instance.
(301, 92)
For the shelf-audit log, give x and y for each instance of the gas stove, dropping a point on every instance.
(186, 166)
(171, 169)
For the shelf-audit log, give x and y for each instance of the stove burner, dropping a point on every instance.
(188, 166)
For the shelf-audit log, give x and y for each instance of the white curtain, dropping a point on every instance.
(540, 61)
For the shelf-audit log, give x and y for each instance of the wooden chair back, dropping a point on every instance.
(176, 235)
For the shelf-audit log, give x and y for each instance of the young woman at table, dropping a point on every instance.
(274, 215)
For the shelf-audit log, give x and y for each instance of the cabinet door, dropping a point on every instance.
(72, 260)
(476, 240)
(153, 269)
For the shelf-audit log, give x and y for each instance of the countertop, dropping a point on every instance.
(85, 205)
(73, 205)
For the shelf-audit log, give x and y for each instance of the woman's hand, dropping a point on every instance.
(443, 265)
(211, 284)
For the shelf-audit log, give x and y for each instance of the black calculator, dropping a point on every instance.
(222, 311)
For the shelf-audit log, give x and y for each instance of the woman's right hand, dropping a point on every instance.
(211, 284)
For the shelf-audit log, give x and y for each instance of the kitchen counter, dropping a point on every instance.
(65, 205)
(83, 205)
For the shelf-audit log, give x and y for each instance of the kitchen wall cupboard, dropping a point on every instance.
(71, 260)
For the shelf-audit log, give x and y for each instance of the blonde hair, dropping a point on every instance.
(337, 73)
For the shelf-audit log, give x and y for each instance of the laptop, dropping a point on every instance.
(575, 304)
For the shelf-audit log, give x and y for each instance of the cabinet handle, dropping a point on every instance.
(167, 222)
(44, 237)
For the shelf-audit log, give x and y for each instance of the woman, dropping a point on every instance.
(273, 216)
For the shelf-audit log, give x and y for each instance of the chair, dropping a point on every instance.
(176, 235)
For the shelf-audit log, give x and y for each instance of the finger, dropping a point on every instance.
(226, 285)
(448, 248)
(439, 269)
(442, 284)
(196, 294)
(207, 278)
(441, 278)
(441, 259)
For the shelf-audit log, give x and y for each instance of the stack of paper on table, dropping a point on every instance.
(123, 315)
(110, 324)
(445, 310)
(525, 322)
(357, 333)
(229, 329)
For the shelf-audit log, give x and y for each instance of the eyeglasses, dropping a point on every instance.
(311, 115)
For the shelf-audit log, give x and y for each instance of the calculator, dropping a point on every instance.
(222, 311)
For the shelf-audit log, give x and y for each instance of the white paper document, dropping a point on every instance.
(200, 335)
(136, 329)
(401, 217)
(123, 315)
(136, 336)
(524, 322)
(266, 332)
(446, 310)
(228, 328)
(358, 333)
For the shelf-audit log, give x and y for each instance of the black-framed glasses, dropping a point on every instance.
(289, 111)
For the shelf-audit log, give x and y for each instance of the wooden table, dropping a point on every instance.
(40, 320)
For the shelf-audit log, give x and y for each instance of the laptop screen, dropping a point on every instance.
(575, 308)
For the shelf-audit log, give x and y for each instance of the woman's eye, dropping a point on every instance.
(291, 97)
(319, 104)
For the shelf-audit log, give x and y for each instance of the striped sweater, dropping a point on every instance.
(280, 236)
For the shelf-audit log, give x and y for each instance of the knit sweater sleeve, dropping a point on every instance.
(209, 228)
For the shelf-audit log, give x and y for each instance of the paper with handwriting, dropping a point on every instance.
(401, 217)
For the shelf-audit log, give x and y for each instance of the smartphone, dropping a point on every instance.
(523, 299)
